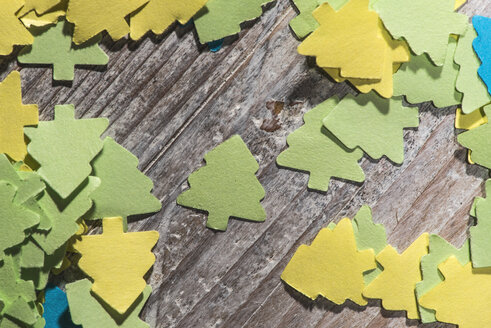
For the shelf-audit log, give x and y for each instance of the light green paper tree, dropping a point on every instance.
(439, 251)
(475, 93)
(226, 186)
(73, 143)
(369, 235)
(16, 295)
(477, 140)
(221, 18)
(314, 149)
(419, 80)
(413, 19)
(14, 219)
(89, 312)
(64, 221)
(124, 190)
(480, 241)
(373, 123)
(53, 46)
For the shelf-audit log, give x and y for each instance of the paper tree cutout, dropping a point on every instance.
(119, 284)
(14, 116)
(369, 235)
(73, 143)
(158, 15)
(420, 80)
(226, 186)
(124, 190)
(475, 92)
(395, 285)
(479, 234)
(50, 17)
(315, 150)
(477, 141)
(222, 18)
(86, 310)
(482, 47)
(40, 6)
(16, 295)
(12, 32)
(54, 47)
(14, 219)
(459, 299)
(439, 251)
(412, 19)
(56, 311)
(373, 124)
(396, 52)
(91, 17)
(65, 221)
(470, 121)
(331, 266)
(348, 39)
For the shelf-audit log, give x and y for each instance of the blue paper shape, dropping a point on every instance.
(215, 46)
(482, 46)
(56, 311)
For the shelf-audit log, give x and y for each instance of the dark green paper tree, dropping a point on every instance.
(226, 186)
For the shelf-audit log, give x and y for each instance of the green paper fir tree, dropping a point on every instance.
(53, 46)
(478, 141)
(14, 219)
(373, 123)
(124, 190)
(221, 18)
(314, 149)
(226, 186)
(73, 144)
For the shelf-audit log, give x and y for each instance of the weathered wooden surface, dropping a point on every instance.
(170, 101)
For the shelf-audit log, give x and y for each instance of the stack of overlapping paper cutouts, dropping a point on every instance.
(65, 180)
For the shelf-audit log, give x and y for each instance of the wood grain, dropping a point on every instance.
(170, 101)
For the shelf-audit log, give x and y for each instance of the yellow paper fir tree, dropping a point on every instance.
(117, 261)
(396, 284)
(331, 266)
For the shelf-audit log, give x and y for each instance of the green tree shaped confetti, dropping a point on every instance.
(369, 235)
(53, 46)
(221, 18)
(479, 234)
(314, 149)
(372, 123)
(226, 186)
(475, 93)
(14, 219)
(87, 311)
(124, 190)
(439, 251)
(65, 163)
(420, 80)
(477, 140)
(412, 19)
(17, 295)
(64, 222)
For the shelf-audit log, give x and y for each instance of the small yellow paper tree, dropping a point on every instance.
(129, 254)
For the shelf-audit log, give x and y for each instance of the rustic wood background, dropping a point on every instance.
(170, 101)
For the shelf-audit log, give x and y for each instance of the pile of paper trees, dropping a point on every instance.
(66, 176)
(388, 49)
(40, 25)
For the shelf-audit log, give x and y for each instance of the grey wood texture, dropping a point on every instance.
(170, 101)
